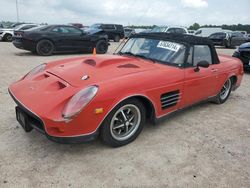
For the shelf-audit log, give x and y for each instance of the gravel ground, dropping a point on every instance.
(205, 146)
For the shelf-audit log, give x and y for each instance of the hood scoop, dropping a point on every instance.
(129, 65)
(90, 62)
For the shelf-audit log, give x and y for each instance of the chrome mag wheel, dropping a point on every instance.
(125, 122)
(225, 89)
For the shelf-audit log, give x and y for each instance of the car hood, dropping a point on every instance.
(99, 68)
(92, 31)
(244, 46)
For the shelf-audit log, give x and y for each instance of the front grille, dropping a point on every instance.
(170, 99)
(36, 123)
(33, 119)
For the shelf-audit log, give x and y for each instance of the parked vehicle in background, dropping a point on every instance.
(191, 32)
(243, 32)
(6, 34)
(16, 24)
(171, 29)
(78, 25)
(229, 39)
(142, 30)
(207, 31)
(114, 31)
(236, 39)
(128, 32)
(219, 38)
(46, 40)
(243, 53)
(115, 96)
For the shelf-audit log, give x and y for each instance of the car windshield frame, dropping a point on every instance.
(153, 59)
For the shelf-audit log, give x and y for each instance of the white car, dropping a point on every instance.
(207, 31)
(6, 34)
(170, 29)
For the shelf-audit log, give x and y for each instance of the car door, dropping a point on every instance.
(199, 83)
(68, 38)
(78, 39)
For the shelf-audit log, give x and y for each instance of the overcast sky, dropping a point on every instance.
(137, 12)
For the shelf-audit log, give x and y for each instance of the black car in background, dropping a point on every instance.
(243, 53)
(46, 40)
(114, 31)
(229, 39)
(219, 38)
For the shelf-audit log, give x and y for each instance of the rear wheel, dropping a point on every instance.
(33, 52)
(7, 37)
(101, 47)
(117, 38)
(124, 123)
(227, 44)
(224, 92)
(45, 47)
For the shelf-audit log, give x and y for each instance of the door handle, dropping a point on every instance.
(214, 70)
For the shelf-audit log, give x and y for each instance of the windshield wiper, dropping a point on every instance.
(137, 55)
(126, 53)
(144, 57)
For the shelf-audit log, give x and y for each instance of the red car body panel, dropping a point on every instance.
(118, 78)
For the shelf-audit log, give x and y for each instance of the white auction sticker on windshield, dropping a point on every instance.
(169, 45)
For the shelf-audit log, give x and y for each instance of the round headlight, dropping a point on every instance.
(79, 101)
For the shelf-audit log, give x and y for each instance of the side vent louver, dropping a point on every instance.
(170, 99)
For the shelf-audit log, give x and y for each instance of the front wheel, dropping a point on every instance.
(7, 37)
(224, 92)
(101, 47)
(117, 38)
(124, 123)
(45, 48)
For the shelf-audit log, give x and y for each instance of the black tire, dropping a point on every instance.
(34, 52)
(7, 37)
(107, 131)
(219, 99)
(45, 47)
(101, 47)
(227, 44)
(117, 38)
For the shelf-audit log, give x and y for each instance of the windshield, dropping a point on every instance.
(39, 28)
(158, 29)
(95, 26)
(162, 51)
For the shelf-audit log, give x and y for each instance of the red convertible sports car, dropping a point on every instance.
(153, 75)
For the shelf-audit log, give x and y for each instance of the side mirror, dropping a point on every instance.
(203, 64)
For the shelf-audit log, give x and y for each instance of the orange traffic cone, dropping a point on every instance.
(94, 51)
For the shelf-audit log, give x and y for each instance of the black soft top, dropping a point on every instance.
(185, 39)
